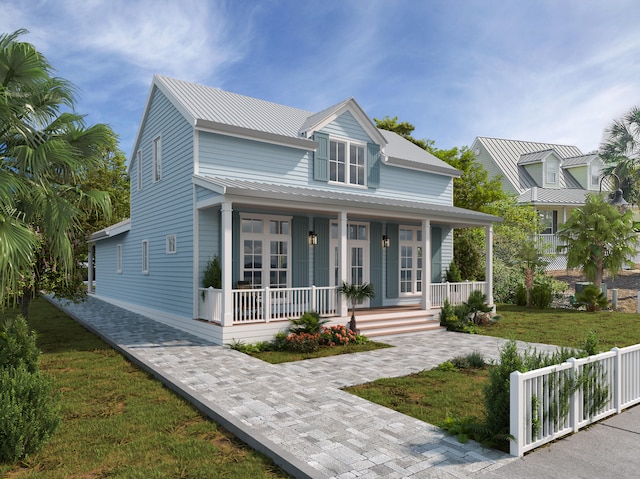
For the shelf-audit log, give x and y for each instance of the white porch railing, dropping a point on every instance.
(268, 304)
(548, 243)
(456, 293)
(541, 412)
(281, 304)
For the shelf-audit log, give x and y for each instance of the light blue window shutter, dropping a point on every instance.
(321, 157)
(373, 165)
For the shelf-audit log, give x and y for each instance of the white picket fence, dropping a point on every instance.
(540, 412)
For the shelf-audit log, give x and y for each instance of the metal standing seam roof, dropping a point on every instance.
(451, 214)
(535, 157)
(199, 102)
(551, 196)
(506, 154)
(582, 160)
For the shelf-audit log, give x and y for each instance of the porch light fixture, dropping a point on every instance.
(385, 241)
(618, 200)
(313, 238)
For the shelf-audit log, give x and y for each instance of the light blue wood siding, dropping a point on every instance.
(237, 158)
(208, 238)
(446, 250)
(346, 126)
(159, 209)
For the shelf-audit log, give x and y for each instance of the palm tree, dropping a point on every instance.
(355, 293)
(45, 155)
(598, 236)
(621, 152)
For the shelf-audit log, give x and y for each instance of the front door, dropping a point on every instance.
(357, 255)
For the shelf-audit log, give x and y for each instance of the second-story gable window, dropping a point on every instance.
(347, 162)
(596, 174)
(157, 159)
(552, 172)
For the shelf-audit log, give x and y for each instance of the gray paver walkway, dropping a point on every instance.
(295, 412)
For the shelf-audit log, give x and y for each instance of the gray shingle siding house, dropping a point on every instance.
(292, 202)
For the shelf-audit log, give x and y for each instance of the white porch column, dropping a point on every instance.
(426, 264)
(90, 269)
(344, 267)
(226, 264)
(488, 268)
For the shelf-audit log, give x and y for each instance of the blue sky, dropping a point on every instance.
(555, 71)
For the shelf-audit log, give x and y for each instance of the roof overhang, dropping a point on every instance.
(249, 134)
(111, 231)
(324, 201)
(414, 165)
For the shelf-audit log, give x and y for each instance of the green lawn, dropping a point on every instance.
(565, 327)
(120, 422)
(431, 395)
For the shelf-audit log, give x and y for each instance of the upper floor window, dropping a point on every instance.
(596, 174)
(139, 169)
(552, 172)
(157, 159)
(347, 162)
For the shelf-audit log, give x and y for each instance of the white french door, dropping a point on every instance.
(357, 255)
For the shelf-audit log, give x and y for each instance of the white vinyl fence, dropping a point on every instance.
(545, 407)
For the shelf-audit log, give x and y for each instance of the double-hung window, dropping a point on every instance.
(347, 162)
(596, 173)
(411, 260)
(552, 172)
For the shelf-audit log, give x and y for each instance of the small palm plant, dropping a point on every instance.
(355, 293)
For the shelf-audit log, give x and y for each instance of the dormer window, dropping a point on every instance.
(347, 162)
(596, 174)
(552, 172)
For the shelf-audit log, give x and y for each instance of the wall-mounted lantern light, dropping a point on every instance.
(313, 238)
(618, 200)
(385, 241)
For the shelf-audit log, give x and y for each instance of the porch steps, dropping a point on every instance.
(400, 321)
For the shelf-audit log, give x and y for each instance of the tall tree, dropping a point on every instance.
(46, 151)
(621, 153)
(599, 237)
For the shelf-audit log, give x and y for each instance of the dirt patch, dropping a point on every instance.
(627, 282)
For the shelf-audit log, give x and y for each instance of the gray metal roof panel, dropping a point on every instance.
(212, 104)
(299, 194)
(402, 149)
(549, 196)
(582, 160)
(534, 157)
(506, 154)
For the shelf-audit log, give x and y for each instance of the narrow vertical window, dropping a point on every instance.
(145, 257)
(157, 159)
(139, 170)
(119, 258)
(172, 244)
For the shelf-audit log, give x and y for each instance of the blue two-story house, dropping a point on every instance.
(292, 203)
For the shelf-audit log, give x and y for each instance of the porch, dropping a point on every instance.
(270, 305)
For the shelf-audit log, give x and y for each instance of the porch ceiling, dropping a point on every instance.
(323, 200)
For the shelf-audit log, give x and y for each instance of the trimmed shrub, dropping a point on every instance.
(303, 342)
(29, 412)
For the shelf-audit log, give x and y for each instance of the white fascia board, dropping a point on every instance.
(255, 135)
(412, 165)
(363, 120)
(111, 231)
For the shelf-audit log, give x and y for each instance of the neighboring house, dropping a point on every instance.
(555, 179)
(292, 202)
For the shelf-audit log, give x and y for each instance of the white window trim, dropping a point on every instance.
(119, 258)
(415, 244)
(266, 237)
(139, 170)
(171, 240)
(598, 179)
(157, 159)
(549, 171)
(145, 256)
(347, 173)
